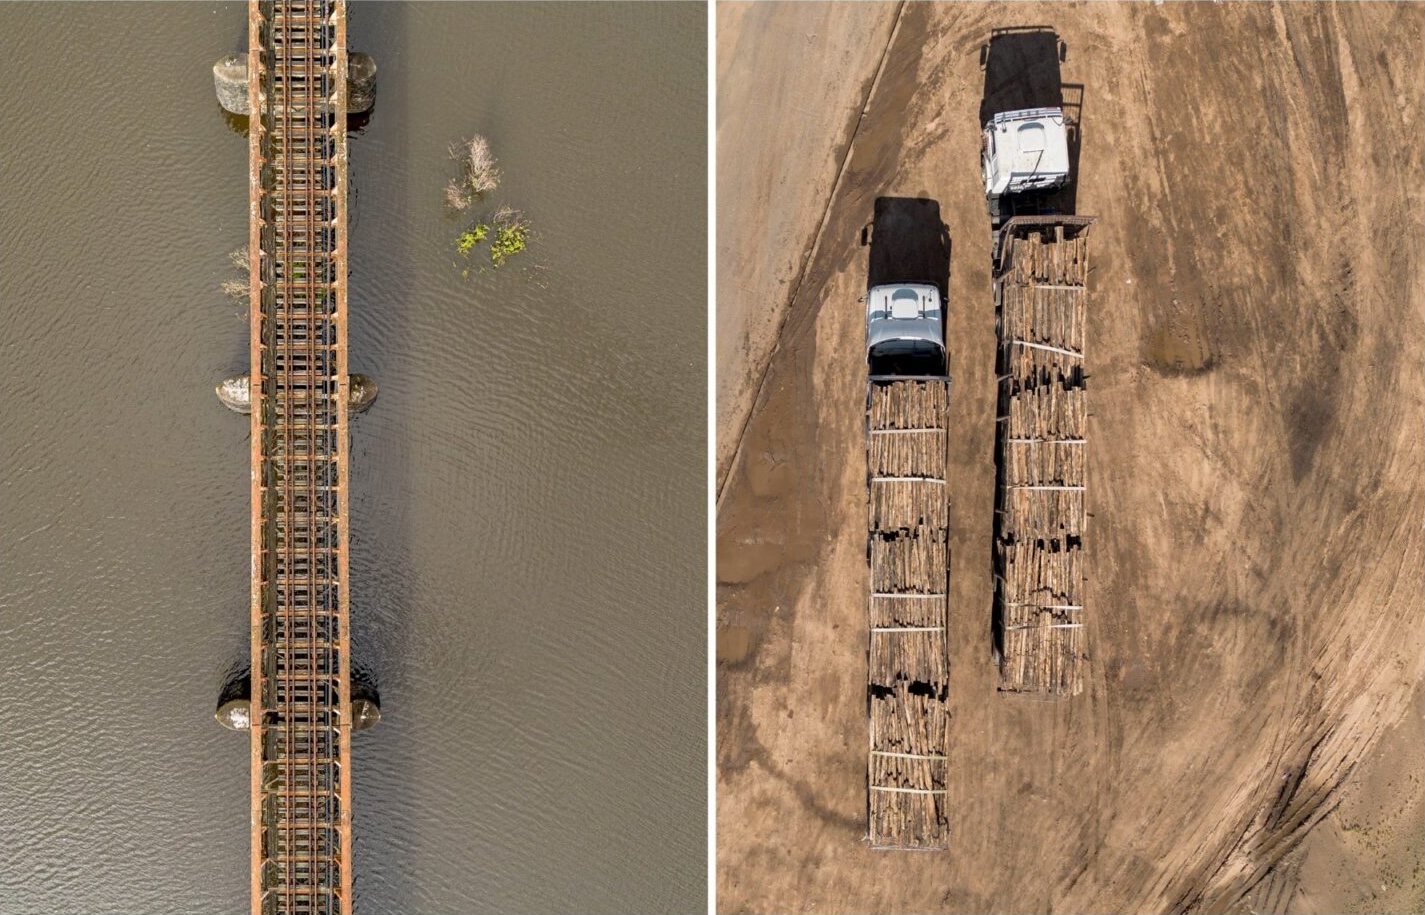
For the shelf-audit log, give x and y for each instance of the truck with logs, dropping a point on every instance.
(908, 549)
(1039, 270)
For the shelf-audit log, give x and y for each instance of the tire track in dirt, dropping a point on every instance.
(1341, 716)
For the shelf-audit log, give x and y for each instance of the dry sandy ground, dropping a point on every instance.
(791, 83)
(1250, 738)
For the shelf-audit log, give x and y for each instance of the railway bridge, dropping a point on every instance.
(295, 86)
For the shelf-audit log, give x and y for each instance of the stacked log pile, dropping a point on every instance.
(1041, 443)
(908, 665)
(907, 801)
(904, 505)
(909, 561)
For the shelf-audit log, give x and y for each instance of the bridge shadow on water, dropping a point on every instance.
(1023, 69)
(384, 796)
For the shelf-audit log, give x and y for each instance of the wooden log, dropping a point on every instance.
(910, 655)
(907, 453)
(907, 404)
(908, 610)
(904, 505)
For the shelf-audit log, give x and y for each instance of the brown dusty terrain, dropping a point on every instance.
(791, 82)
(1249, 737)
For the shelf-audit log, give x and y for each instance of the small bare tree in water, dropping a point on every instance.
(479, 176)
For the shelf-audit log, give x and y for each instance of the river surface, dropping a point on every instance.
(528, 493)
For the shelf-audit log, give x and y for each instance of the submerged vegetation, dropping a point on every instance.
(511, 234)
(506, 229)
(239, 290)
(471, 237)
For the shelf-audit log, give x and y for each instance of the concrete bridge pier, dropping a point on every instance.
(360, 83)
(235, 702)
(236, 393)
(230, 82)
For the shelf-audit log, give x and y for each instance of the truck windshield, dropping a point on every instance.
(906, 357)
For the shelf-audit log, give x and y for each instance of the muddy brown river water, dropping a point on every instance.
(528, 496)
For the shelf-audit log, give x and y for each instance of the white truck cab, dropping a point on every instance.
(905, 329)
(1023, 151)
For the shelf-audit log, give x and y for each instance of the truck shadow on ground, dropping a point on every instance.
(909, 244)
(737, 718)
(1021, 66)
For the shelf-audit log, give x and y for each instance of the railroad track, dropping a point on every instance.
(301, 728)
(295, 87)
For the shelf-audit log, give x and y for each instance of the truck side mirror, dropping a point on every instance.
(985, 55)
(1063, 50)
(865, 235)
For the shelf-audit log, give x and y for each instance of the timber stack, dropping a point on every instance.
(1041, 292)
(909, 552)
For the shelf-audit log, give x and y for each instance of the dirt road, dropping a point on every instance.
(1255, 548)
(791, 82)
